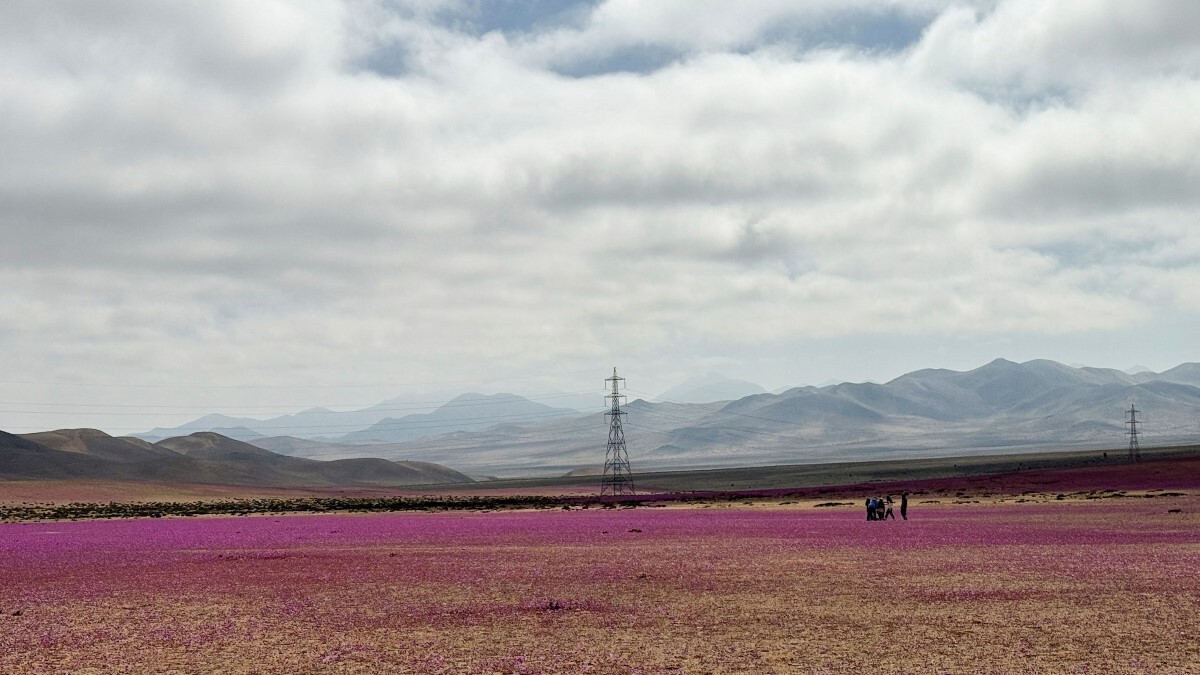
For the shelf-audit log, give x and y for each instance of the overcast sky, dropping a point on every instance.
(252, 207)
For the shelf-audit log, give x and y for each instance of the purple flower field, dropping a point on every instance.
(1075, 586)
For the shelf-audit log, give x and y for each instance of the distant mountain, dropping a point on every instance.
(206, 423)
(999, 407)
(311, 423)
(708, 388)
(541, 446)
(325, 424)
(202, 457)
(1185, 373)
(237, 433)
(468, 412)
(301, 447)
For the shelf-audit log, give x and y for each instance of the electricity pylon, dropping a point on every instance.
(1135, 452)
(617, 479)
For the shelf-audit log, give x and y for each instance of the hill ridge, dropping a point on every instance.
(202, 457)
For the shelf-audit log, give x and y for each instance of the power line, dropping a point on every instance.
(434, 424)
(722, 412)
(358, 407)
(332, 428)
(725, 428)
(454, 425)
(377, 427)
(283, 386)
(423, 445)
(442, 443)
(701, 440)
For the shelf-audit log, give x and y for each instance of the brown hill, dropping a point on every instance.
(23, 458)
(265, 467)
(96, 443)
(375, 471)
(211, 445)
(205, 457)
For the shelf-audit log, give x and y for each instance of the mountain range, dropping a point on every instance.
(376, 424)
(1000, 407)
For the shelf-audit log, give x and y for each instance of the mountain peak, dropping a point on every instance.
(83, 433)
(472, 411)
(710, 387)
(210, 445)
(475, 396)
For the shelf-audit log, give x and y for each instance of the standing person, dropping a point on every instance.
(870, 510)
(904, 506)
(888, 513)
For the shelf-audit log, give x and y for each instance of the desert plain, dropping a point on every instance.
(1076, 569)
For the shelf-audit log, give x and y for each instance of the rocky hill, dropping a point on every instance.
(203, 457)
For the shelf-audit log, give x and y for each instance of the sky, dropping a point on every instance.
(254, 208)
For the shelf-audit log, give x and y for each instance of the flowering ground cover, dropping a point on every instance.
(1101, 586)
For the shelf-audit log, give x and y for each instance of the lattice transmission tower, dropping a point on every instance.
(1135, 452)
(617, 478)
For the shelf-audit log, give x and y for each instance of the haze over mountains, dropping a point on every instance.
(386, 422)
(710, 387)
(999, 407)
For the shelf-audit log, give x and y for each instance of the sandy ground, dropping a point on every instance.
(988, 585)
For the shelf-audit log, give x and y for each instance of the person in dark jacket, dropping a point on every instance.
(904, 506)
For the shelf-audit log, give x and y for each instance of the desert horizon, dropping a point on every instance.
(619, 337)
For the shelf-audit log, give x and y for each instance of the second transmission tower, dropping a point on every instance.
(617, 479)
(1135, 452)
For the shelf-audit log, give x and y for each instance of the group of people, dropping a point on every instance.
(879, 508)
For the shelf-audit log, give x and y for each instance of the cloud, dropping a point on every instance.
(1033, 46)
(633, 36)
(354, 191)
(1118, 149)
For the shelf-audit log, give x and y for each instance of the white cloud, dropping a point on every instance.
(221, 193)
(688, 27)
(1033, 46)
